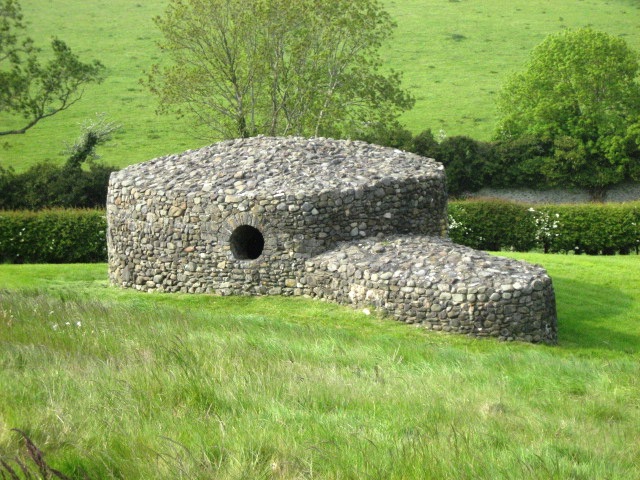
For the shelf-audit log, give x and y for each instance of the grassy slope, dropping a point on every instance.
(163, 386)
(454, 81)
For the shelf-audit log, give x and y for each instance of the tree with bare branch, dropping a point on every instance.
(32, 90)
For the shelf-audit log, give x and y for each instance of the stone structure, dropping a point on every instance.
(346, 221)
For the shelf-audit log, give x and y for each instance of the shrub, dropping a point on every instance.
(10, 188)
(492, 225)
(425, 144)
(46, 185)
(465, 161)
(517, 162)
(590, 228)
(53, 236)
(394, 135)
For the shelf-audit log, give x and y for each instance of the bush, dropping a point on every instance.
(590, 228)
(10, 188)
(492, 225)
(53, 236)
(425, 144)
(394, 135)
(593, 229)
(517, 163)
(520, 162)
(465, 160)
(46, 185)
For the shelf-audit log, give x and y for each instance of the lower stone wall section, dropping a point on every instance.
(438, 284)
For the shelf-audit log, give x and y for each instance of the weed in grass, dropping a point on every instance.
(457, 37)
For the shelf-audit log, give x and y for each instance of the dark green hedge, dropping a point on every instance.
(586, 228)
(46, 185)
(79, 236)
(53, 236)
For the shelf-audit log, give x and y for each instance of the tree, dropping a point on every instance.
(29, 88)
(240, 68)
(92, 134)
(580, 92)
(465, 161)
(425, 144)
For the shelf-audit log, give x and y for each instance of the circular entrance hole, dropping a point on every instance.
(246, 242)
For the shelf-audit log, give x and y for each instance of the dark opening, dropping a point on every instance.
(246, 242)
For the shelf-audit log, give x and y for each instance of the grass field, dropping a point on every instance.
(455, 55)
(118, 384)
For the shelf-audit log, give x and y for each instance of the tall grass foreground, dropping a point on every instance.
(115, 384)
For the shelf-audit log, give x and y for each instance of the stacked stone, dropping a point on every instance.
(316, 217)
(171, 219)
(438, 284)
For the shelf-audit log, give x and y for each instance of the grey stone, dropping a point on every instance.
(320, 218)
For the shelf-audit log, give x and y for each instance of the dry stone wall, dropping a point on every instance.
(440, 285)
(275, 215)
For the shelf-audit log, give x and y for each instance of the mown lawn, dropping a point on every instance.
(455, 55)
(118, 384)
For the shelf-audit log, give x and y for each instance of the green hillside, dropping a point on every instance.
(455, 55)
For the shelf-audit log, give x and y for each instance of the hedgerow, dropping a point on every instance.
(53, 236)
(79, 236)
(46, 185)
(580, 228)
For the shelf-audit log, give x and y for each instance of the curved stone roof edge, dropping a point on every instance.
(410, 254)
(280, 164)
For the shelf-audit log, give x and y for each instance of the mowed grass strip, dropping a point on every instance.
(119, 384)
(455, 56)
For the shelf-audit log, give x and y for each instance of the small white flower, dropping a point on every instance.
(78, 324)
(55, 326)
(366, 311)
(67, 324)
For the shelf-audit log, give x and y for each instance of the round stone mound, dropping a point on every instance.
(242, 216)
(344, 220)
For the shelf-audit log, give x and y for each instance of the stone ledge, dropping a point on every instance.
(441, 285)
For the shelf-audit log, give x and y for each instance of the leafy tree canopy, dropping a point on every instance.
(277, 67)
(580, 92)
(29, 88)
